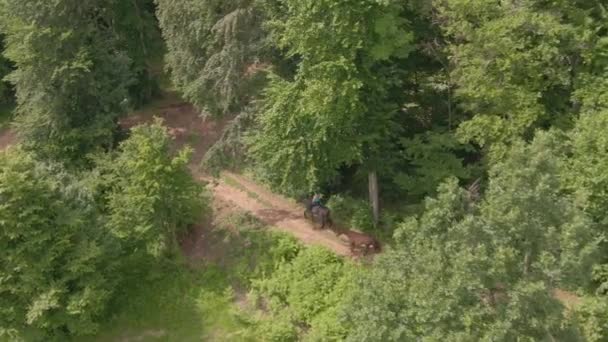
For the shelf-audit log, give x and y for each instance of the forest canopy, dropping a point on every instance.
(469, 136)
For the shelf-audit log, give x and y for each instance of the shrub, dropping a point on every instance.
(309, 289)
(592, 318)
(56, 259)
(357, 214)
(279, 329)
(151, 194)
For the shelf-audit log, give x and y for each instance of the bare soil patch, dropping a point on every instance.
(7, 138)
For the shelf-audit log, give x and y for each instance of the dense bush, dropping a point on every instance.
(308, 292)
(67, 240)
(56, 258)
(591, 316)
(253, 251)
(151, 195)
(278, 329)
(482, 271)
(355, 213)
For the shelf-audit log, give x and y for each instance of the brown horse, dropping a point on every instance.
(360, 241)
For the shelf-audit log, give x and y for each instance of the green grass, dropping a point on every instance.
(182, 305)
(197, 303)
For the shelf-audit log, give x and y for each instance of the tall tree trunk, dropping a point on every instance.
(373, 196)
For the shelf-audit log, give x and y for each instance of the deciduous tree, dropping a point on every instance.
(521, 65)
(486, 270)
(337, 110)
(56, 258)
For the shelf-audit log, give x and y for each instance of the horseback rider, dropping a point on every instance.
(316, 201)
(321, 214)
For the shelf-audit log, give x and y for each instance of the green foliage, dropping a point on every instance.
(253, 252)
(351, 212)
(307, 291)
(5, 69)
(56, 258)
(138, 34)
(467, 271)
(71, 79)
(418, 92)
(174, 301)
(67, 240)
(522, 65)
(151, 194)
(335, 112)
(355, 213)
(229, 152)
(591, 315)
(6, 114)
(279, 329)
(524, 201)
(432, 157)
(586, 168)
(181, 304)
(600, 276)
(210, 46)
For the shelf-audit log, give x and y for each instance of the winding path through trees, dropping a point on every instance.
(280, 213)
(188, 128)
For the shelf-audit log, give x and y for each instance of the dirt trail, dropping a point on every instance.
(277, 212)
(187, 127)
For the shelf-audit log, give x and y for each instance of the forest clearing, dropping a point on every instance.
(303, 170)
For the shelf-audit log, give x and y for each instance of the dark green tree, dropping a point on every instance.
(139, 35)
(213, 50)
(71, 79)
(5, 69)
(150, 194)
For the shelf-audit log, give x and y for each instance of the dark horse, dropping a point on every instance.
(318, 214)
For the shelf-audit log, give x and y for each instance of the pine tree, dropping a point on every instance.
(211, 44)
(71, 79)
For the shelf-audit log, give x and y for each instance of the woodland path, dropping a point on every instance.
(280, 213)
(188, 128)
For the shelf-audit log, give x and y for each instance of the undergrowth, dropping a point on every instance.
(266, 287)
